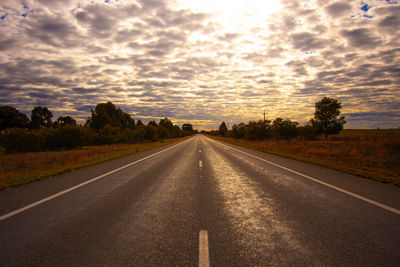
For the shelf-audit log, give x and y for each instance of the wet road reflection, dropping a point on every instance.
(253, 214)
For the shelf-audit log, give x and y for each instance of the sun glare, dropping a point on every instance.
(234, 14)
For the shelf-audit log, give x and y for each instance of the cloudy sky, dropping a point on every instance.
(203, 61)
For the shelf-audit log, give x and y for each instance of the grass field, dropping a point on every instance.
(373, 154)
(21, 168)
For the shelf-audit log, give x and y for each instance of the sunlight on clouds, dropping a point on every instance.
(234, 15)
(202, 61)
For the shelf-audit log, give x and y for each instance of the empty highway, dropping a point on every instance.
(201, 202)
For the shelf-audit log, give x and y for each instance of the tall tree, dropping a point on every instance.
(10, 117)
(223, 130)
(326, 114)
(166, 123)
(108, 113)
(41, 117)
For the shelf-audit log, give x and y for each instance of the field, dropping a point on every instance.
(21, 168)
(373, 154)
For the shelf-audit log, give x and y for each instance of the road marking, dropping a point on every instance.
(15, 212)
(373, 202)
(200, 164)
(204, 255)
(199, 151)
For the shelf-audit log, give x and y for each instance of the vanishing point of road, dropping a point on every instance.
(201, 202)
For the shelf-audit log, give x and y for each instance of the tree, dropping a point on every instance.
(223, 130)
(139, 123)
(127, 121)
(64, 121)
(166, 123)
(152, 123)
(285, 128)
(239, 130)
(41, 117)
(108, 113)
(325, 116)
(150, 132)
(10, 117)
(257, 130)
(187, 127)
(166, 128)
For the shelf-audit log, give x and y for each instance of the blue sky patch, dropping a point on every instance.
(365, 8)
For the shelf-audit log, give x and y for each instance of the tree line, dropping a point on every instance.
(325, 122)
(106, 124)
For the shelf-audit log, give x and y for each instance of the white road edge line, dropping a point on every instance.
(373, 202)
(204, 255)
(15, 212)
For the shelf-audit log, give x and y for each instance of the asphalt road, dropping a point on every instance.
(201, 201)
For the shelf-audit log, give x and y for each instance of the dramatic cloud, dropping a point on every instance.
(338, 9)
(203, 62)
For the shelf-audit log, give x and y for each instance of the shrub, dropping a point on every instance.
(308, 132)
(20, 140)
(284, 128)
(108, 135)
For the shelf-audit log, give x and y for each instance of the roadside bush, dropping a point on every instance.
(256, 130)
(284, 128)
(150, 132)
(108, 135)
(20, 140)
(70, 137)
(162, 132)
(308, 132)
(137, 135)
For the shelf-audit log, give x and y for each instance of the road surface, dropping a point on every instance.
(201, 202)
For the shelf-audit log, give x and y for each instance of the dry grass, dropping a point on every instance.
(21, 168)
(374, 154)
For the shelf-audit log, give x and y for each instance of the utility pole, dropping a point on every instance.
(264, 115)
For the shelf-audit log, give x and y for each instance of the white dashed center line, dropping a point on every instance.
(200, 164)
(204, 257)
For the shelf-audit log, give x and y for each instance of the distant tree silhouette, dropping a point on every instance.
(257, 130)
(64, 121)
(166, 123)
(239, 130)
(40, 117)
(139, 123)
(325, 116)
(166, 129)
(152, 123)
(284, 128)
(223, 130)
(187, 127)
(107, 113)
(10, 117)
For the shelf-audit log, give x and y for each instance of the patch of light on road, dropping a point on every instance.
(253, 213)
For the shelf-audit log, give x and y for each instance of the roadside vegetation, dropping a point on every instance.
(22, 168)
(31, 149)
(374, 154)
(106, 125)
